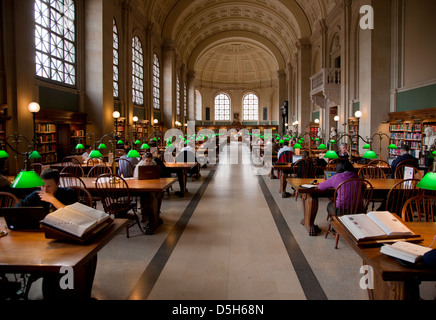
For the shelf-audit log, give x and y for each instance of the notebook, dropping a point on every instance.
(148, 172)
(23, 218)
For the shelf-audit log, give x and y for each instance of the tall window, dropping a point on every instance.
(55, 40)
(137, 72)
(178, 97)
(116, 62)
(185, 99)
(156, 83)
(250, 107)
(222, 107)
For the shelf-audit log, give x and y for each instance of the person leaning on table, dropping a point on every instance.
(344, 171)
(51, 196)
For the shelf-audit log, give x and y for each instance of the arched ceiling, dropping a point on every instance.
(236, 41)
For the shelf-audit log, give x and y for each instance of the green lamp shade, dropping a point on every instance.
(80, 146)
(322, 147)
(331, 155)
(95, 154)
(297, 146)
(392, 147)
(317, 139)
(428, 182)
(332, 141)
(282, 141)
(102, 146)
(3, 154)
(120, 142)
(367, 147)
(434, 152)
(145, 146)
(27, 179)
(138, 142)
(34, 155)
(370, 155)
(133, 154)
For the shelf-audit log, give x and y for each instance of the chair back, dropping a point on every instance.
(286, 156)
(115, 195)
(83, 195)
(399, 172)
(379, 163)
(410, 163)
(125, 168)
(93, 162)
(421, 208)
(70, 160)
(400, 193)
(331, 166)
(68, 180)
(98, 170)
(305, 169)
(74, 169)
(353, 197)
(8, 200)
(371, 172)
(37, 167)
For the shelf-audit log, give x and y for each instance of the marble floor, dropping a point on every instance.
(232, 237)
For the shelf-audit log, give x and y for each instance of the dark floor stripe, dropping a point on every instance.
(311, 287)
(148, 279)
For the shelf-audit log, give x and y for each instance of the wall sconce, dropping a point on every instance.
(34, 108)
(358, 114)
(155, 121)
(317, 121)
(337, 118)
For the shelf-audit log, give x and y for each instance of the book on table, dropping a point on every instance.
(376, 226)
(75, 222)
(405, 251)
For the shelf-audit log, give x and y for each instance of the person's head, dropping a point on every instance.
(344, 166)
(51, 180)
(343, 148)
(404, 149)
(305, 155)
(285, 143)
(148, 158)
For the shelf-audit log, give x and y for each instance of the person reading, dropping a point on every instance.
(404, 155)
(51, 196)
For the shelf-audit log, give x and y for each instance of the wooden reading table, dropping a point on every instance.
(30, 252)
(381, 188)
(391, 280)
(150, 194)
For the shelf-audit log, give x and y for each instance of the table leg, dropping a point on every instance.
(394, 290)
(282, 181)
(310, 205)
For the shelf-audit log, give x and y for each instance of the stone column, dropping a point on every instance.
(169, 84)
(303, 79)
(191, 95)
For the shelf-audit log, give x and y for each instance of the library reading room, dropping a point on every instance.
(217, 150)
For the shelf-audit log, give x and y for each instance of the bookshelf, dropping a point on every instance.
(120, 128)
(142, 131)
(353, 130)
(46, 136)
(78, 135)
(314, 129)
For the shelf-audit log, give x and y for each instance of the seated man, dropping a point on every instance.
(147, 160)
(51, 197)
(343, 152)
(404, 155)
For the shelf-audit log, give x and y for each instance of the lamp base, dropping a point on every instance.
(114, 180)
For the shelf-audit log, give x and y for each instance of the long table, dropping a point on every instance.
(391, 280)
(30, 252)
(149, 193)
(381, 188)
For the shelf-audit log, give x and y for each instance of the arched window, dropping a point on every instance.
(55, 40)
(185, 108)
(137, 72)
(116, 61)
(222, 107)
(178, 97)
(250, 107)
(156, 83)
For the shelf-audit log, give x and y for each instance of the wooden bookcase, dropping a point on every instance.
(142, 131)
(314, 129)
(78, 135)
(353, 130)
(408, 127)
(46, 136)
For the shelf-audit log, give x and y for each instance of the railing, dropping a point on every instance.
(325, 78)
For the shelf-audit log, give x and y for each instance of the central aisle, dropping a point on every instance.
(231, 248)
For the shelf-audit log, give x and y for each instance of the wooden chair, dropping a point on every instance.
(305, 169)
(94, 162)
(421, 208)
(74, 169)
(8, 200)
(70, 160)
(37, 167)
(371, 172)
(98, 170)
(331, 166)
(354, 196)
(400, 193)
(382, 164)
(410, 163)
(125, 168)
(399, 172)
(84, 196)
(67, 180)
(116, 200)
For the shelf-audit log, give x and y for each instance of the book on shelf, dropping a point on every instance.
(75, 222)
(376, 226)
(405, 251)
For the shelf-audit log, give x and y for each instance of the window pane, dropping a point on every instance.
(250, 107)
(222, 107)
(156, 83)
(137, 72)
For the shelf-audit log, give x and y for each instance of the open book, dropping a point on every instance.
(377, 224)
(76, 219)
(405, 251)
